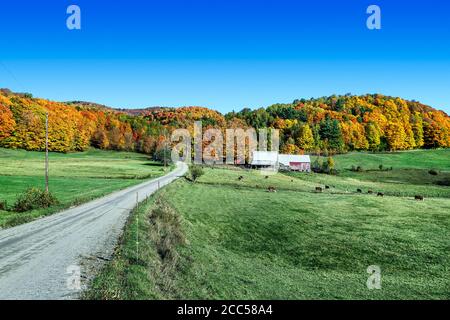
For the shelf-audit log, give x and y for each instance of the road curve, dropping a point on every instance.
(35, 257)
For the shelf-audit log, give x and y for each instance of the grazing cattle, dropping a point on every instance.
(359, 190)
(369, 191)
(240, 178)
(271, 189)
(327, 187)
(417, 197)
(319, 189)
(380, 194)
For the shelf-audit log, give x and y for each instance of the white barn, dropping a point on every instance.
(282, 161)
(265, 159)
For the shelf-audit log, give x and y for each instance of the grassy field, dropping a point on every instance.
(241, 242)
(416, 159)
(74, 177)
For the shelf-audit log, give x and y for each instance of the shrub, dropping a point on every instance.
(163, 155)
(433, 172)
(380, 167)
(34, 198)
(316, 166)
(166, 232)
(196, 172)
(445, 182)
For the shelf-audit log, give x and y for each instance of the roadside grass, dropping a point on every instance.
(141, 268)
(243, 242)
(75, 178)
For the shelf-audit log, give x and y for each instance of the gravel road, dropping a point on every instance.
(40, 259)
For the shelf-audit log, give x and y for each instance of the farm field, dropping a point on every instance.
(74, 178)
(235, 240)
(416, 159)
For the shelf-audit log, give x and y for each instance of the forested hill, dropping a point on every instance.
(335, 123)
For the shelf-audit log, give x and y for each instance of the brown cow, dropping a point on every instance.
(380, 194)
(418, 197)
(319, 189)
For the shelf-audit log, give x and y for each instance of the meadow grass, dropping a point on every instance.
(415, 159)
(243, 242)
(74, 178)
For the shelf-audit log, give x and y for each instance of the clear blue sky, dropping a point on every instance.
(225, 54)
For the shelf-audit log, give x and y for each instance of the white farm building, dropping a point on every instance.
(282, 161)
(265, 159)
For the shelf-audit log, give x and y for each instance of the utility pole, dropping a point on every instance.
(137, 225)
(46, 152)
(165, 148)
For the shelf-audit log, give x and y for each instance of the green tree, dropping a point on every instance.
(330, 131)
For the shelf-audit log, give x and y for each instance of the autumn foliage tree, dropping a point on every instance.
(336, 124)
(7, 122)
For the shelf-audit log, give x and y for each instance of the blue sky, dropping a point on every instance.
(225, 54)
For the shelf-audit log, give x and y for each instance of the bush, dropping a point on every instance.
(316, 166)
(166, 232)
(162, 155)
(34, 198)
(196, 172)
(445, 182)
(380, 167)
(433, 172)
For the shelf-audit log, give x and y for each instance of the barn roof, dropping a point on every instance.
(285, 159)
(264, 158)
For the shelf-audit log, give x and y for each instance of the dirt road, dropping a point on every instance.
(42, 259)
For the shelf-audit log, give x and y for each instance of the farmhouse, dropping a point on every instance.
(281, 161)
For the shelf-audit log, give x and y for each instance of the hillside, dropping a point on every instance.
(226, 237)
(336, 123)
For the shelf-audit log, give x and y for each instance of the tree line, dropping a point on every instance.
(337, 124)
